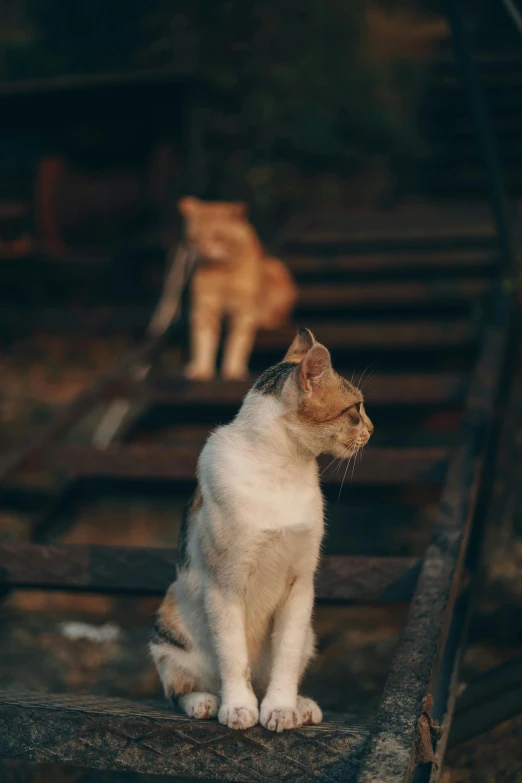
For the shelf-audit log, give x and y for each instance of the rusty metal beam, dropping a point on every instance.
(417, 664)
(150, 570)
(389, 335)
(496, 696)
(120, 734)
(178, 462)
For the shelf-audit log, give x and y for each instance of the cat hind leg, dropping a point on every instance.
(185, 680)
(199, 705)
(181, 666)
(309, 711)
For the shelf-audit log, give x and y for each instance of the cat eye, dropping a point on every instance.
(349, 409)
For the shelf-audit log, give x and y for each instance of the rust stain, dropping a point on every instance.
(429, 732)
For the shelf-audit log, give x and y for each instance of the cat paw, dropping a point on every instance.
(193, 372)
(279, 718)
(238, 717)
(199, 705)
(310, 712)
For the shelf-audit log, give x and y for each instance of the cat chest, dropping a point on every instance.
(283, 508)
(275, 557)
(224, 282)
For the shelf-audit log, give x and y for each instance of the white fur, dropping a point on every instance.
(244, 601)
(262, 502)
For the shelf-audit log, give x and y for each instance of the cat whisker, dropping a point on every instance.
(342, 482)
(364, 373)
(353, 466)
(367, 380)
(343, 456)
(339, 464)
(368, 377)
(329, 465)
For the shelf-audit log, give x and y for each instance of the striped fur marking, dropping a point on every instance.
(163, 635)
(273, 379)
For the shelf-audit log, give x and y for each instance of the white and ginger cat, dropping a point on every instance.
(234, 280)
(236, 626)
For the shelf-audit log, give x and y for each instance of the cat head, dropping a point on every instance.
(212, 227)
(325, 411)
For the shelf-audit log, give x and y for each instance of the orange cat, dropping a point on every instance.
(233, 280)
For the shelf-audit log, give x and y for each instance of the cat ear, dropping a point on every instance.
(239, 210)
(188, 205)
(314, 368)
(303, 341)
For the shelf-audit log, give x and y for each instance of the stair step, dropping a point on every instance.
(178, 462)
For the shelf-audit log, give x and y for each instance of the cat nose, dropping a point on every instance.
(370, 429)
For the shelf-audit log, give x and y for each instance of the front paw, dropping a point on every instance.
(194, 372)
(278, 717)
(234, 374)
(238, 716)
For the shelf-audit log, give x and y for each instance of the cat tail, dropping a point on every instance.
(278, 294)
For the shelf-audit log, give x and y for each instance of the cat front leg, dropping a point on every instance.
(308, 709)
(239, 707)
(279, 708)
(238, 347)
(205, 329)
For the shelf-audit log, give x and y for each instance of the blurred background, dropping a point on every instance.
(112, 111)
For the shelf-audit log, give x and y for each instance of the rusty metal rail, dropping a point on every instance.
(427, 638)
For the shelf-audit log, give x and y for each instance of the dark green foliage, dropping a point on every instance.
(49, 37)
(301, 87)
(296, 85)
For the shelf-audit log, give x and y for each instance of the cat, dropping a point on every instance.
(236, 622)
(234, 280)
